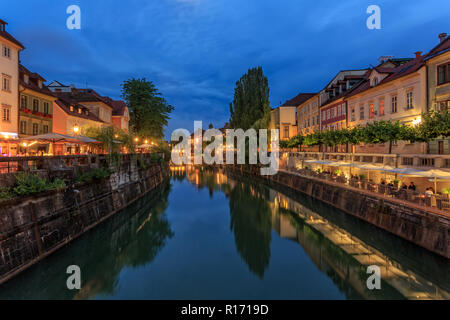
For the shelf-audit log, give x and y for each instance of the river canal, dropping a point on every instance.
(207, 235)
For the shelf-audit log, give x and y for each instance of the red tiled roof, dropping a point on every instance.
(31, 84)
(403, 69)
(118, 107)
(7, 36)
(441, 47)
(298, 100)
(397, 72)
(84, 95)
(384, 70)
(65, 104)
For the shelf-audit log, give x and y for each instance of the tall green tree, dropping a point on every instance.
(149, 111)
(251, 99)
(434, 124)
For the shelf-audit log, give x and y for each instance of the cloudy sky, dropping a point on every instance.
(195, 50)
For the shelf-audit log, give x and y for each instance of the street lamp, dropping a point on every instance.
(76, 129)
(146, 141)
(136, 139)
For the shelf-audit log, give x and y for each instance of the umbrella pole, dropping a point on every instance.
(435, 184)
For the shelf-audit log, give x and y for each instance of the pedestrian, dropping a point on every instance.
(412, 186)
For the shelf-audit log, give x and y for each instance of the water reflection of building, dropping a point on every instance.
(354, 255)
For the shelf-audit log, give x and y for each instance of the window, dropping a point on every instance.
(35, 105)
(382, 108)
(375, 81)
(443, 73)
(286, 132)
(361, 113)
(339, 110)
(79, 110)
(343, 109)
(6, 85)
(370, 110)
(23, 101)
(35, 128)
(6, 51)
(45, 107)
(45, 128)
(6, 113)
(71, 108)
(23, 127)
(353, 113)
(328, 114)
(394, 104)
(409, 100)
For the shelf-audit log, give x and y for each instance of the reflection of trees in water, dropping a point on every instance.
(251, 224)
(130, 238)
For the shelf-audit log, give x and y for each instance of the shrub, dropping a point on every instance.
(446, 191)
(94, 174)
(5, 194)
(141, 163)
(27, 183)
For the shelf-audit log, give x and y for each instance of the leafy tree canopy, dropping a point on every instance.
(149, 111)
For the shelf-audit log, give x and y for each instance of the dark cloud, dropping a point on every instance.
(195, 50)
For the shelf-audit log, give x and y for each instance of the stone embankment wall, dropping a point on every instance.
(426, 229)
(33, 227)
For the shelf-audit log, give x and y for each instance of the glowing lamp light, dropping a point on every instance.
(146, 141)
(76, 129)
(136, 139)
(24, 144)
(417, 121)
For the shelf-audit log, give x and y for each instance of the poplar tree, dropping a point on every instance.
(251, 99)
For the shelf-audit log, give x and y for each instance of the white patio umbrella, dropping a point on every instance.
(435, 174)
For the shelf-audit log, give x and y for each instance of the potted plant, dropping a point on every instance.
(447, 192)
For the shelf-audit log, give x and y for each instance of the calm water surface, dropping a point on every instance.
(211, 236)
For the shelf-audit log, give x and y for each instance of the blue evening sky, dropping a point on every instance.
(195, 50)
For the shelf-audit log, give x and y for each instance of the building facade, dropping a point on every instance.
(284, 118)
(36, 104)
(390, 93)
(438, 77)
(308, 118)
(9, 91)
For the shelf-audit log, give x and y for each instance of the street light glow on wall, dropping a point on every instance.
(417, 121)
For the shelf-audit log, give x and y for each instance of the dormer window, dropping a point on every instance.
(71, 108)
(26, 78)
(79, 110)
(87, 112)
(40, 83)
(375, 82)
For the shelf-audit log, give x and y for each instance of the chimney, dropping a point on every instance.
(3, 25)
(418, 54)
(442, 36)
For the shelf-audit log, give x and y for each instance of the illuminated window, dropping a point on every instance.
(382, 108)
(370, 110)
